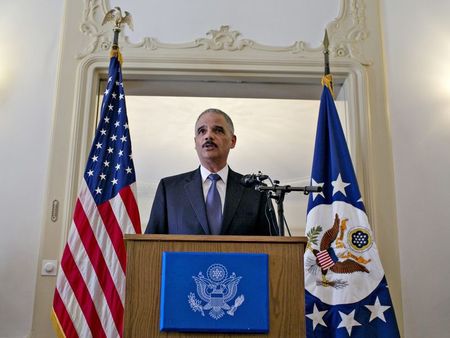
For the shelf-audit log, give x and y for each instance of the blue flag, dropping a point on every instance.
(346, 290)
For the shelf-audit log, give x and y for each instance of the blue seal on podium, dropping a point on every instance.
(214, 292)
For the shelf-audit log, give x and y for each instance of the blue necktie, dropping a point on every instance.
(214, 206)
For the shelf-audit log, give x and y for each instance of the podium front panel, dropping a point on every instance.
(143, 283)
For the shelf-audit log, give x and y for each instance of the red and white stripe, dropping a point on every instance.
(324, 259)
(90, 289)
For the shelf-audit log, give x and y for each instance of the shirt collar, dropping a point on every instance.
(223, 173)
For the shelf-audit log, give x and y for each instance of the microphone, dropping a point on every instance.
(252, 180)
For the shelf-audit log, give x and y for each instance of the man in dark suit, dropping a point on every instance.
(210, 199)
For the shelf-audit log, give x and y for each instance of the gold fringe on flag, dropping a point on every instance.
(56, 325)
(115, 52)
(327, 81)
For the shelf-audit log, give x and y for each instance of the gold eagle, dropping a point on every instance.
(115, 15)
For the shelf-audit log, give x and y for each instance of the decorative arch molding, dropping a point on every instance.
(346, 33)
(349, 73)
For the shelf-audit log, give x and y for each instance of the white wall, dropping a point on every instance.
(417, 50)
(28, 65)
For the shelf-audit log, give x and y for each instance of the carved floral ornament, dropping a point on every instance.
(346, 32)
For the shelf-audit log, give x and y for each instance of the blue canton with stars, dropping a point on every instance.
(372, 316)
(110, 165)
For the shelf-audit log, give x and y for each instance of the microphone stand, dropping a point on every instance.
(279, 193)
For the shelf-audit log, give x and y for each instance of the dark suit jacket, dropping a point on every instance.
(179, 207)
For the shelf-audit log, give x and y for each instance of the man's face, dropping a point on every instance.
(213, 140)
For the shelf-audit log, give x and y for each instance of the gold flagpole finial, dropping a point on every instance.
(327, 80)
(115, 15)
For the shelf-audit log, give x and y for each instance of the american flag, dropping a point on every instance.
(90, 287)
(346, 292)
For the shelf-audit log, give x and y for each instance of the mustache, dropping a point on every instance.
(209, 143)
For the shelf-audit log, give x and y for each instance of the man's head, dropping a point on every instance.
(214, 137)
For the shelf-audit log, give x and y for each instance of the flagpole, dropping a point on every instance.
(115, 44)
(326, 53)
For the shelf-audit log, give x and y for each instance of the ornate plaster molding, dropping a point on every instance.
(346, 32)
(218, 40)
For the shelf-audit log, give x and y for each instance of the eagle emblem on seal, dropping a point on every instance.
(327, 258)
(216, 290)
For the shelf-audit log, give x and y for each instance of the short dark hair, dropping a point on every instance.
(220, 112)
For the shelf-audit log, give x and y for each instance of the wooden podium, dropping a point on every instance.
(143, 281)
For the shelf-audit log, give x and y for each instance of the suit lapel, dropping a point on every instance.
(194, 191)
(232, 199)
